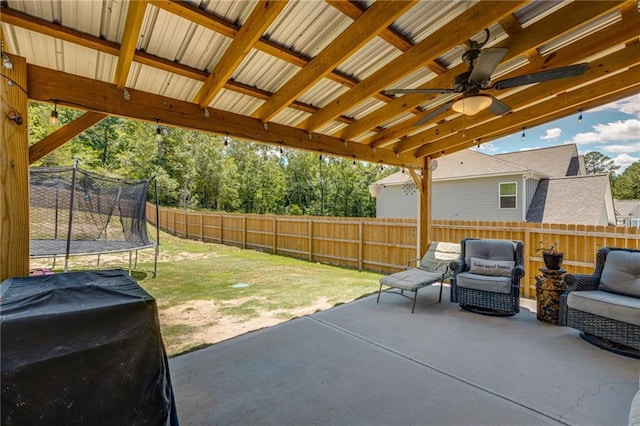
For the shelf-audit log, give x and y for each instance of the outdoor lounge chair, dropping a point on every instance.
(486, 278)
(605, 306)
(433, 268)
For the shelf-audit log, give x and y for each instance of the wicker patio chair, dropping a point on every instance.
(617, 327)
(486, 278)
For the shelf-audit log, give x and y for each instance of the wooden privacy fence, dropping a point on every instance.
(385, 245)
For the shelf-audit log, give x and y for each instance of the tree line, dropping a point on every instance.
(197, 170)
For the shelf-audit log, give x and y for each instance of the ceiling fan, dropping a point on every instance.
(482, 63)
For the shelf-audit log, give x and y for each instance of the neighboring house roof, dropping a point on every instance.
(570, 200)
(555, 161)
(462, 165)
(625, 207)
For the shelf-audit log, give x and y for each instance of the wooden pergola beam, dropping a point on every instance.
(262, 16)
(14, 171)
(58, 138)
(132, 27)
(527, 39)
(599, 68)
(371, 23)
(615, 86)
(482, 14)
(80, 92)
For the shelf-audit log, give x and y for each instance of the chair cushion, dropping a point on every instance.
(411, 279)
(496, 268)
(438, 256)
(609, 305)
(621, 273)
(484, 282)
(488, 249)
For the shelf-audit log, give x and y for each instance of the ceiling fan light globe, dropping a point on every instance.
(472, 105)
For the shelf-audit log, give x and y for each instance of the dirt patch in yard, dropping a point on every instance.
(205, 323)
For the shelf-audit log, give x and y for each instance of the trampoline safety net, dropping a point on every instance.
(76, 212)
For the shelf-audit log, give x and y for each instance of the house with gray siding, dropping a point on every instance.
(542, 185)
(627, 213)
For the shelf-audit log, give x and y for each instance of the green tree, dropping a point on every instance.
(627, 185)
(596, 162)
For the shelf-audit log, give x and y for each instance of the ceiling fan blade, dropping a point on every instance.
(486, 63)
(498, 107)
(442, 108)
(539, 77)
(418, 91)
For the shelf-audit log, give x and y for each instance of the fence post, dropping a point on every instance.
(527, 261)
(360, 245)
(221, 229)
(244, 232)
(201, 226)
(275, 235)
(310, 240)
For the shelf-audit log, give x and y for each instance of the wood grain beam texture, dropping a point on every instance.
(80, 92)
(41, 26)
(599, 93)
(262, 16)
(62, 135)
(615, 35)
(229, 29)
(131, 33)
(371, 23)
(570, 17)
(14, 172)
(461, 29)
(603, 67)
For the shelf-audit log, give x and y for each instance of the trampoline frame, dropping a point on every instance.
(117, 246)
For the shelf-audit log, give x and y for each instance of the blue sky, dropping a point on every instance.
(612, 129)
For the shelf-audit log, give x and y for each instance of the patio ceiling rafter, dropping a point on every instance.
(131, 33)
(84, 93)
(590, 96)
(462, 28)
(619, 59)
(519, 43)
(262, 16)
(54, 30)
(375, 20)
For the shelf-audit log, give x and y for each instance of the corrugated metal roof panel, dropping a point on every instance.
(113, 19)
(236, 12)
(323, 92)
(371, 57)
(170, 36)
(163, 83)
(453, 57)
(427, 17)
(364, 108)
(290, 116)
(578, 33)
(415, 79)
(537, 10)
(331, 127)
(264, 71)
(397, 120)
(308, 27)
(228, 100)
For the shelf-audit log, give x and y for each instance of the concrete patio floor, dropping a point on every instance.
(364, 363)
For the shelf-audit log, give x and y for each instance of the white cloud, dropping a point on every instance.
(487, 147)
(633, 148)
(630, 105)
(529, 148)
(627, 130)
(552, 134)
(624, 161)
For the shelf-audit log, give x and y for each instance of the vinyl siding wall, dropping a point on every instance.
(475, 199)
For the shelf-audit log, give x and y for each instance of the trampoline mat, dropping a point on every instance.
(46, 248)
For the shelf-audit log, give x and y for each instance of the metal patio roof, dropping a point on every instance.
(311, 74)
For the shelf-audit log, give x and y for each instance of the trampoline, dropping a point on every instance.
(78, 213)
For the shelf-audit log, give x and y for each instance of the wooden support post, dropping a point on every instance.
(14, 171)
(424, 221)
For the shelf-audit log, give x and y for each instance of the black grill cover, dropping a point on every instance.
(82, 348)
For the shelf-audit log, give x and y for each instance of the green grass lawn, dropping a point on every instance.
(199, 305)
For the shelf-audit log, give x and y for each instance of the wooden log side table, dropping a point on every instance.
(549, 287)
